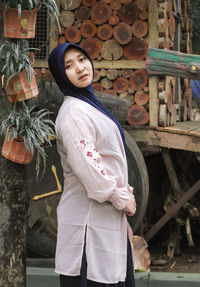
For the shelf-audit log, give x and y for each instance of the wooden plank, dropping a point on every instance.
(165, 139)
(188, 128)
(120, 64)
(177, 40)
(153, 101)
(172, 63)
(153, 81)
(40, 64)
(153, 22)
(54, 37)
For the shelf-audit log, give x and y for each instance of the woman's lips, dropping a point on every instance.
(83, 77)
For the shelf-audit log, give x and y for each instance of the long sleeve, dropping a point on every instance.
(78, 136)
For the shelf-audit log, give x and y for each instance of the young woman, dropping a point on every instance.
(92, 245)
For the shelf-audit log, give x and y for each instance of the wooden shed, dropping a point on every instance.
(117, 34)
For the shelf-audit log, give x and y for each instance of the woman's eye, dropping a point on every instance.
(67, 67)
(82, 59)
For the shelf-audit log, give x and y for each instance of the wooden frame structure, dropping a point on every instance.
(184, 135)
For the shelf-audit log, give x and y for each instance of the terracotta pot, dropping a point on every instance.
(15, 27)
(19, 89)
(15, 151)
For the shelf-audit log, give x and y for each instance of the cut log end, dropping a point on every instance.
(138, 80)
(138, 115)
(120, 85)
(100, 13)
(88, 29)
(122, 33)
(129, 13)
(111, 50)
(104, 32)
(140, 29)
(136, 49)
(72, 34)
(141, 98)
(92, 47)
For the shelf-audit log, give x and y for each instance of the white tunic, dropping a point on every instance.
(95, 192)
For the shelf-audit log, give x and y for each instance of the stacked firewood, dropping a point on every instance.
(175, 95)
(117, 31)
(113, 30)
(186, 47)
(166, 86)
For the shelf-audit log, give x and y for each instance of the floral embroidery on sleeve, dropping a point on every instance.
(92, 155)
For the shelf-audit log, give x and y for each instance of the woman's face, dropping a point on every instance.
(78, 68)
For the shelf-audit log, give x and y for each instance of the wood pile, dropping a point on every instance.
(116, 34)
(113, 30)
(175, 95)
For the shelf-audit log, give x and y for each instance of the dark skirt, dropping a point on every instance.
(82, 281)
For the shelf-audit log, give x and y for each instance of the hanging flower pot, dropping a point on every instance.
(19, 88)
(19, 26)
(15, 151)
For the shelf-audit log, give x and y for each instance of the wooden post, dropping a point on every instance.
(13, 207)
(153, 81)
(54, 36)
(177, 40)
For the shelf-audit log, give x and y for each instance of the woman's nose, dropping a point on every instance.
(79, 68)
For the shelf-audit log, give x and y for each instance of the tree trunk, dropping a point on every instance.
(129, 13)
(141, 98)
(140, 28)
(72, 34)
(138, 80)
(104, 32)
(71, 5)
(138, 115)
(122, 33)
(136, 49)
(88, 29)
(13, 206)
(67, 18)
(92, 47)
(120, 85)
(100, 13)
(82, 13)
(111, 50)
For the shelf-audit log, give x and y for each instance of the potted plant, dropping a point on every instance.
(26, 130)
(20, 16)
(18, 76)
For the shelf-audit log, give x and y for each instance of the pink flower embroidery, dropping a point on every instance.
(89, 154)
(93, 157)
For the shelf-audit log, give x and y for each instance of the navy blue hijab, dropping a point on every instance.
(57, 68)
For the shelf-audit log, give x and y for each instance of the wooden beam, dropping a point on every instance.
(120, 64)
(171, 172)
(172, 63)
(172, 211)
(165, 139)
(54, 35)
(40, 64)
(153, 81)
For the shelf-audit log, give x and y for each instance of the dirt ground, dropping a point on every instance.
(187, 262)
